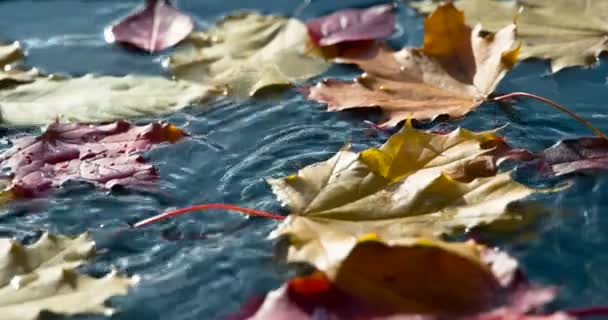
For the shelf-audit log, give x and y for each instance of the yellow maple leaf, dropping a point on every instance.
(567, 32)
(403, 189)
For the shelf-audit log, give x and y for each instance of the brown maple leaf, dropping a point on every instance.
(417, 279)
(453, 73)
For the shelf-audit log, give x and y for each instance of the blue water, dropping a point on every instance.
(236, 144)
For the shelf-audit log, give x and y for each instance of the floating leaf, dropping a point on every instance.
(16, 75)
(568, 32)
(377, 22)
(95, 99)
(414, 279)
(155, 27)
(574, 155)
(105, 155)
(463, 154)
(43, 277)
(453, 73)
(571, 156)
(400, 190)
(247, 52)
(9, 54)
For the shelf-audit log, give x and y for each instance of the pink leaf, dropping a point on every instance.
(565, 157)
(156, 26)
(106, 155)
(575, 155)
(377, 22)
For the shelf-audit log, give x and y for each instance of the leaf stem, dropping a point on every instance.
(555, 105)
(223, 206)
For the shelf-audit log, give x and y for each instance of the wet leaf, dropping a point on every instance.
(453, 73)
(105, 155)
(43, 277)
(568, 32)
(415, 275)
(463, 154)
(155, 27)
(413, 279)
(95, 99)
(9, 74)
(576, 155)
(585, 154)
(247, 52)
(377, 22)
(401, 190)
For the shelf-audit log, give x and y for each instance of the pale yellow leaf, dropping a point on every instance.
(247, 52)
(42, 277)
(567, 32)
(95, 99)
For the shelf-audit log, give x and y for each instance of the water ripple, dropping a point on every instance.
(236, 144)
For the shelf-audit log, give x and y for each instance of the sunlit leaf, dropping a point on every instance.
(453, 73)
(568, 32)
(155, 27)
(403, 189)
(247, 52)
(95, 99)
(43, 277)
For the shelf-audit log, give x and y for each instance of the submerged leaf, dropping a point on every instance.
(403, 189)
(413, 279)
(247, 52)
(155, 27)
(453, 73)
(568, 32)
(105, 155)
(43, 277)
(95, 99)
(373, 23)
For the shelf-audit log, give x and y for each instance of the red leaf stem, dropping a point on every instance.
(222, 206)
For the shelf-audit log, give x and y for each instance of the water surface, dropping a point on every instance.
(207, 279)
